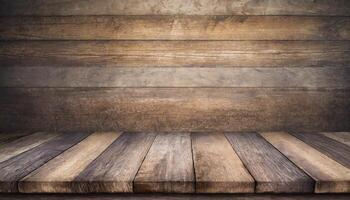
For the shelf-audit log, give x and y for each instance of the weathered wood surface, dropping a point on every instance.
(218, 169)
(175, 28)
(9, 137)
(168, 166)
(309, 77)
(175, 196)
(57, 175)
(175, 53)
(15, 168)
(169, 109)
(343, 137)
(14, 148)
(115, 169)
(272, 171)
(173, 7)
(332, 148)
(330, 176)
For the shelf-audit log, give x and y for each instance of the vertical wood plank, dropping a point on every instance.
(330, 176)
(272, 171)
(14, 169)
(56, 175)
(168, 166)
(218, 169)
(115, 169)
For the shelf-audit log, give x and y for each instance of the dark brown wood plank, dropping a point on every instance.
(330, 176)
(175, 28)
(332, 148)
(14, 169)
(308, 77)
(115, 169)
(175, 53)
(168, 166)
(218, 169)
(57, 175)
(343, 137)
(174, 7)
(173, 109)
(272, 171)
(9, 137)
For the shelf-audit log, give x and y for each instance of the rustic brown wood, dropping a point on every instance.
(175, 28)
(169, 109)
(330, 176)
(218, 169)
(343, 137)
(15, 168)
(168, 166)
(24, 144)
(175, 196)
(115, 169)
(174, 7)
(175, 53)
(272, 171)
(56, 175)
(309, 77)
(9, 137)
(332, 148)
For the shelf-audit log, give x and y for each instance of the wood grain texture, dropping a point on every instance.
(24, 144)
(115, 169)
(173, 109)
(332, 148)
(9, 137)
(168, 166)
(173, 7)
(14, 169)
(309, 77)
(175, 196)
(343, 137)
(57, 175)
(175, 28)
(330, 176)
(272, 171)
(218, 169)
(175, 53)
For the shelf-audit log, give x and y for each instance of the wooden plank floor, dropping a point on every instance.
(115, 162)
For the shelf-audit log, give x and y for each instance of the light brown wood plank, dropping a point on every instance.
(175, 53)
(24, 144)
(57, 175)
(173, 109)
(309, 77)
(174, 7)
(332, 148)
(168, 166)
(330, 176)
(218, 169)
(115, 169)
(343, 137)
(175, 28)
(15, 168)
(272, 171)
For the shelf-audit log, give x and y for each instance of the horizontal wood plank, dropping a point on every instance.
(332, 148)
(57, 175)
(175, 28)
(115, 169)
(173, 7)
(317, 77)
(272, 171)
(12, 149)
(175, 53)
(169, 109)
(9, 137)
(343, 137)
(217, 166)
(168, 166)
(15, 168)
(330, 176)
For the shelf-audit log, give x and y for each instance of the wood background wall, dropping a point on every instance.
(184, 65)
